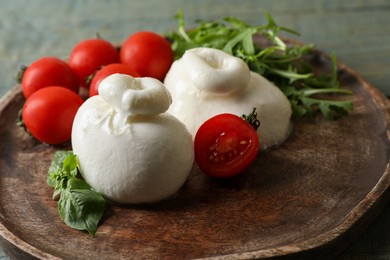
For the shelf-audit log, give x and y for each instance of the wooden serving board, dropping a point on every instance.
(312, 196)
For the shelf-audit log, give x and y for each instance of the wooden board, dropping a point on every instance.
(310, 197)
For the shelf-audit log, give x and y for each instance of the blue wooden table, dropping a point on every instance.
(358, 32)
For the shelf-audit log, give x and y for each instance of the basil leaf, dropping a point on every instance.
(81, 209)
(79, 206)
(70, 164)
(56, 194)
(76, 183)
(57, 164)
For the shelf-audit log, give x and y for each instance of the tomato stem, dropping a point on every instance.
(252, 119)
(20, 121)
(88, 79)
(20, 74)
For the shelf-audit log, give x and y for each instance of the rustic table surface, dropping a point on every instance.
(357, 31)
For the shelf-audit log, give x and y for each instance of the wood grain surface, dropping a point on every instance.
(356, 31)
(312, 196)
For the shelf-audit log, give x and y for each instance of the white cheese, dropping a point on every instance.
(206, 82)
(128, 148)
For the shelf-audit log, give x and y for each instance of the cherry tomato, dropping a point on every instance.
(225, 145)
(48, 71)
(89, 55)
(49, 112)
(107, 71)
(147, 53)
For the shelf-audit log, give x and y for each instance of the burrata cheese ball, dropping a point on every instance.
(206, 82)
(129, 149)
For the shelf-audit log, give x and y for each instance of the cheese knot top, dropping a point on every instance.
(215, 71)
(135, 96)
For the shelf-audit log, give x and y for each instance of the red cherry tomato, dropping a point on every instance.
(225, 145)
(147, 53)
(48, 71)
(89, 55)
(49, 112)
(107, 71)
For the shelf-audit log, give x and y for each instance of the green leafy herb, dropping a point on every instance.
(79, 206)
(282, 63)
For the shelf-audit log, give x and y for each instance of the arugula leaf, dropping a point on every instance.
(79, 206)
(282, 63)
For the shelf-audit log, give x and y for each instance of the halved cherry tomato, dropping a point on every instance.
(89, 55)
(49, 113)
(147, 53)
(225, 145)
(48, 71)
(107, 71)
